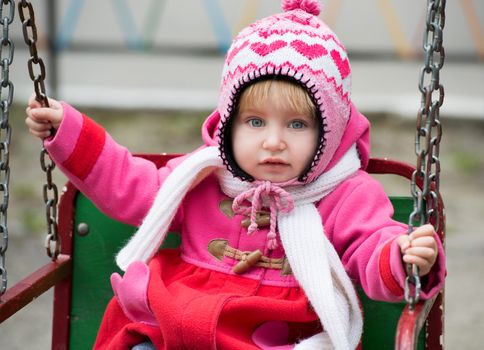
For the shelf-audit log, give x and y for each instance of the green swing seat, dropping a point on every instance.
(91, 240)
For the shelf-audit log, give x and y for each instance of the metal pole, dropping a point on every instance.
(52, 48)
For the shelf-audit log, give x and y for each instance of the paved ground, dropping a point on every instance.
(462, 183)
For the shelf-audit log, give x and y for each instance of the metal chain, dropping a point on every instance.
(428, 136)
(7, 12)
(37, 74)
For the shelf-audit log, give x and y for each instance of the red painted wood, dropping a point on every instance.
(61, 318)
(33, 286)
(62, 291)
(388, 166)
(410, 324)
(159, 159)
(435, 322)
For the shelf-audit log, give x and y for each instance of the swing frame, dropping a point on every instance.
(59, 274)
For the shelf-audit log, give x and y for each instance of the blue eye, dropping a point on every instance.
(297, 124)
(256, 122)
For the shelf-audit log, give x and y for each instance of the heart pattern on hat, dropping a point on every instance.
(309, 51)
(265, 49)
(343, 65)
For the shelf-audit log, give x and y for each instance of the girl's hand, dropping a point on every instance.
(40, 120)
(419, 248)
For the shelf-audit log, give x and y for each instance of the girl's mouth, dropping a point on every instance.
(274, 162)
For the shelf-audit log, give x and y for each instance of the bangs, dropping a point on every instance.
(284, 93)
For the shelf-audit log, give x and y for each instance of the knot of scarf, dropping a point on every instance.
(265, 193)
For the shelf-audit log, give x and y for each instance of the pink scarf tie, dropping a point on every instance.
(279, 201)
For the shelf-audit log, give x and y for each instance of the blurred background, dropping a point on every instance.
(149, 70)
(160, 54)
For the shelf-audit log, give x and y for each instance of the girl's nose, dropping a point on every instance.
(274, 140)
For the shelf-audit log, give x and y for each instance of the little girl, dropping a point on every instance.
(277, 216)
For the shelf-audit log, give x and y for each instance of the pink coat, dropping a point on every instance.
(356, 216)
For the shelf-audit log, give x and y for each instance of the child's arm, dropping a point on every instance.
(419, 248)
(119, 184)
(358, 220)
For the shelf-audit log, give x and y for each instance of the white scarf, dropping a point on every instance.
(312, 257)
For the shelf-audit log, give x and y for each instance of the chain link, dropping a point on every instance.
(428, 136)
(7, 12)
(37, 74)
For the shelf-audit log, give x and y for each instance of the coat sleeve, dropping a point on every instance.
(359, 223)
(119, 184)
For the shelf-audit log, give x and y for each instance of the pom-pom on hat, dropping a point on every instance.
(310, 6)
(298, 46)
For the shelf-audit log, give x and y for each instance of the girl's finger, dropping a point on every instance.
(427, 241)
(45, 115)
(40, 134)
(422, 231)
(428, 254)
(416, 260)
(55, 104)
(403, 242)
(37, 126)
(33, 103)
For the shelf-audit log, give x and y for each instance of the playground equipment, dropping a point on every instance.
(79, 270)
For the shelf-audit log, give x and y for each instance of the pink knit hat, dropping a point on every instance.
(296, 45)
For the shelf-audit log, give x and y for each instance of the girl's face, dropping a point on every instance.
(271, 140)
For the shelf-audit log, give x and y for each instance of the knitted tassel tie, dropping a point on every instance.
(279, 201)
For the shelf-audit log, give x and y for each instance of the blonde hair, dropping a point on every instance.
(285, 93)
